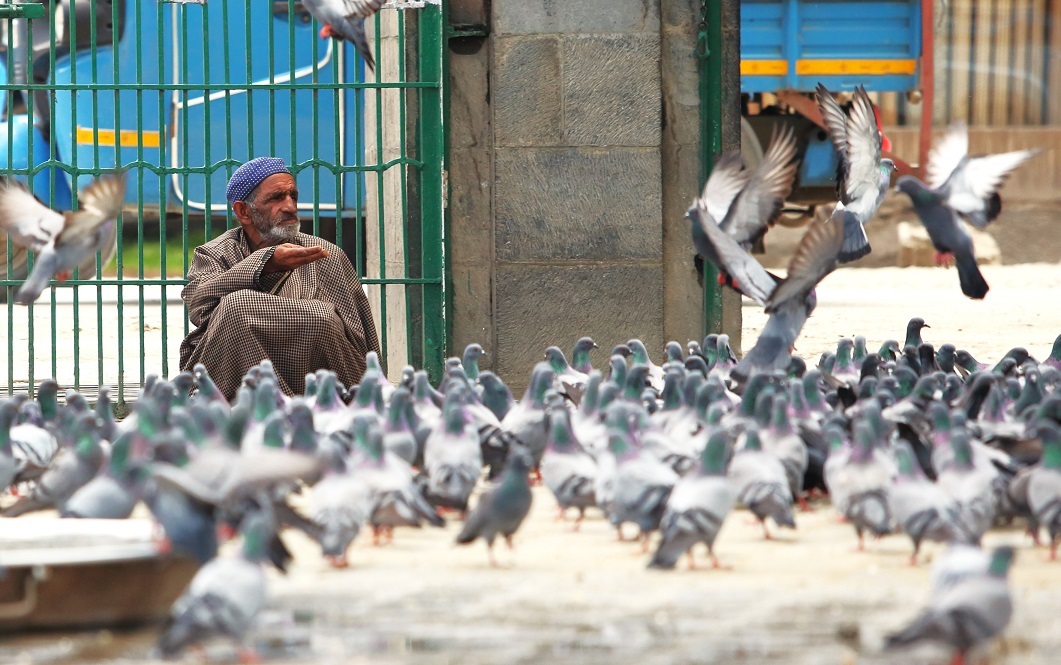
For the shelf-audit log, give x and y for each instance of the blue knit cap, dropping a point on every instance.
(250, 175)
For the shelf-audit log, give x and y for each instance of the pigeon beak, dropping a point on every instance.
(926, 326)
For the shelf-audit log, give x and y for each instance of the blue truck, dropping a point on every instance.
(789, 46)
(194, 105)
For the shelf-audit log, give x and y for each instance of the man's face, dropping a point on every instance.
(273, 209)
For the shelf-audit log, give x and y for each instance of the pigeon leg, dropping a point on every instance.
(766, 531)
(1034, 533)
(619, 533)
(804, 507)
(959, 658)
(1053, 549)
(326, 31)
(493, 561)
(718, 566)
(376, 535)
(536, 478)
(339, 561)
(560, 513)
(944, 259)
(249, 655)
(578, 521)
(861, 543)
(644, 542)
(508, 541)
(63, 275)
(691, 558)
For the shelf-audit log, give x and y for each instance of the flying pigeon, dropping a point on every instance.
(960, 186)
(62, 241)
(345, 21)
(862, 176)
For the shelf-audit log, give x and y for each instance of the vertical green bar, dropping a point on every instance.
(710, 53)
(433, 214)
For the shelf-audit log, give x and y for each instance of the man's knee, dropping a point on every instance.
(235, 304)
(323, 322)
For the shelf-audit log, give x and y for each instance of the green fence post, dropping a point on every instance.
(709, 52)
(433, 212)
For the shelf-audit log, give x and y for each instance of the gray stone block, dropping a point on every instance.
(612, 90)
(469, 74)
(526, 92)
(577, 204)
(538, 306)
(581, 16)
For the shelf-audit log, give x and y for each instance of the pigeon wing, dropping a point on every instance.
(726, 181)
(759, 203)
(101, 201)
(863, 150)
(814, 259)
(979, 178)
(361, 8)
(30, 223)
(947, 154)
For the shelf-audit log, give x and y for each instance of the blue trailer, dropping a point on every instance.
(789, 46)
(178, 100)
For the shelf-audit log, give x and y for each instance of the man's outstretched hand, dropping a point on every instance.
(289, 256)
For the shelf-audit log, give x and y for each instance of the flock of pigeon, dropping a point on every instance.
(909, 439)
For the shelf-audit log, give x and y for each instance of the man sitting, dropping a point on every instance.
(265, 290)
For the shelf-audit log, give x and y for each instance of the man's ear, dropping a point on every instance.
(240, 209)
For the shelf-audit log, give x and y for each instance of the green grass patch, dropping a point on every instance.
(173, 248)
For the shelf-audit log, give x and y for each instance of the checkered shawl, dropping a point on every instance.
(314, 317)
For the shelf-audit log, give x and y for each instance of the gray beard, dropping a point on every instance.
(278, 234)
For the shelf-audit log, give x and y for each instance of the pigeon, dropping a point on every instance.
(567, 470)
(526, 420)
(72, 469)
(225, 596)
(569, 382)
(452, 458)
(640, 486)
(960, 186)
(470, 360)
(9, 465)
(1044, 486)
(501, 509)
(760, 482)
(495, 394)
(859, 480)
(110, 495)
(62, 241)
(792, 301)
(921, 508)
(580, 361)
(862, 176)
(697, 507)
(966, 611)
(345, 21)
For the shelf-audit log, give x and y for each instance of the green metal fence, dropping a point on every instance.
(177, 95)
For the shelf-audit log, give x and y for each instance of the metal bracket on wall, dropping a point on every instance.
(703, 48)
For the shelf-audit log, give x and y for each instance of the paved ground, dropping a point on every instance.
(586, 598)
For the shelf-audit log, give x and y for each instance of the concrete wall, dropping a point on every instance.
(574, 152)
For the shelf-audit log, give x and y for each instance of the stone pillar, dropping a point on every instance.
(391, 261)
(574, 153)
(577, 177)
